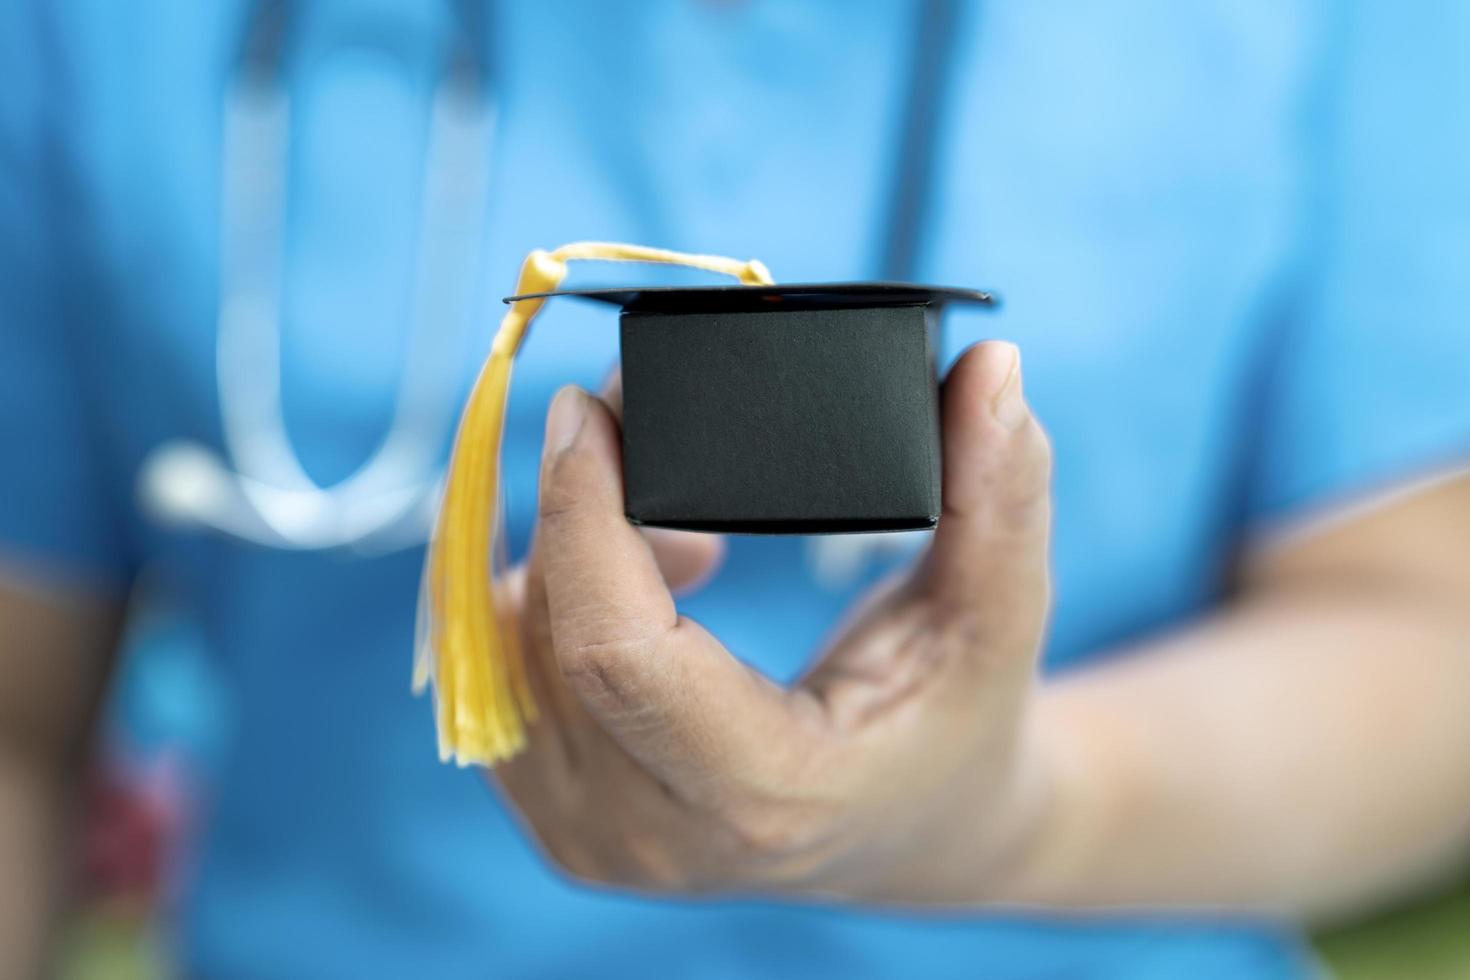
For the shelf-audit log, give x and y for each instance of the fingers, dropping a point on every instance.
(987, 567)
(686, 559)
(603, 585)
(670, 695)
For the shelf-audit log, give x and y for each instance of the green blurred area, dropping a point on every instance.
(1427, 941)
(113, 941)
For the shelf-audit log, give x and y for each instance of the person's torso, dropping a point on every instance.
(1128, 180)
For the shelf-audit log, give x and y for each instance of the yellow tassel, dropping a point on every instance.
(464, 647)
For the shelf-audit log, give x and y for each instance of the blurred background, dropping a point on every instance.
(253, 256)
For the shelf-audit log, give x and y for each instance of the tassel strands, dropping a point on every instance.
(465, 647)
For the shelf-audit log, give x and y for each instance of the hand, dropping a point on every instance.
(903, 767)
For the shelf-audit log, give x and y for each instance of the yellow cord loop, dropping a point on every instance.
(468, 651)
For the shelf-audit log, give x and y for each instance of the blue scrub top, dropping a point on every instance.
(1232, 238)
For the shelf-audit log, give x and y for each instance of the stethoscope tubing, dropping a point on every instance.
(258, 490)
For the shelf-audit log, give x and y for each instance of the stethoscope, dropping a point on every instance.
(256, 490)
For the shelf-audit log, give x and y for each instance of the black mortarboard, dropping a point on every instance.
(793, 408)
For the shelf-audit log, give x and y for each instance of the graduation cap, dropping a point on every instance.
(756, 408)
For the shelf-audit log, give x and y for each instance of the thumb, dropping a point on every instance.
(987, 567)
(665, 690)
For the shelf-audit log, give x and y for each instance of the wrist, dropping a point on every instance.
(995, 838)
(1058, 810)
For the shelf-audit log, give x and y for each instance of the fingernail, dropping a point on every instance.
(564, 421)
(1009, 407)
